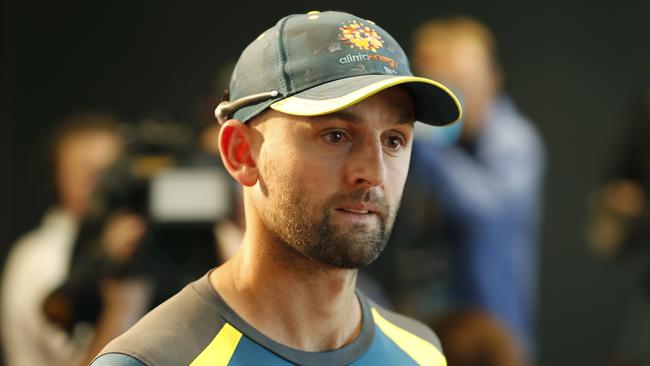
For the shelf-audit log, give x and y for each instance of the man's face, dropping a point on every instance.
(330, 186)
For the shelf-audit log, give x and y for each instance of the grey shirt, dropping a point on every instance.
(197, 327)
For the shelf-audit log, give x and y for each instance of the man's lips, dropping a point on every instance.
(355, 211)
(360, 209)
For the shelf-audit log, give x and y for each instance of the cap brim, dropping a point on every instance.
(434, 103)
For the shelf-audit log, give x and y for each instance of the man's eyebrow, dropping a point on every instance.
(405, 118)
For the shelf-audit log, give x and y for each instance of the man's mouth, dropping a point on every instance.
(361, 212)
(359, 209)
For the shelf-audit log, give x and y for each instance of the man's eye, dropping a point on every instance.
(335, 137)
(395, 142)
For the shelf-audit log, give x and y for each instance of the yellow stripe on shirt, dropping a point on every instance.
(421, 351)
(221, 349)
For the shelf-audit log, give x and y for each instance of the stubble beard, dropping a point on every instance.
(308, 229)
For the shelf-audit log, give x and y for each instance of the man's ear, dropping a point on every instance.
(235, 148)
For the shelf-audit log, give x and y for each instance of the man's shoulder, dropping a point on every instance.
(173, 333)
(412, 336)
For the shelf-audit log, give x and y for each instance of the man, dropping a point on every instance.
(487, 184)
(83, 146)
(318, 132)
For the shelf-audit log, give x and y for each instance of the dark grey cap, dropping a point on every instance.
(318, 63)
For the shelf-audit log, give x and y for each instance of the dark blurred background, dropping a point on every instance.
(572, 67)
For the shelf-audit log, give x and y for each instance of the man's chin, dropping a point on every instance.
(345, 258)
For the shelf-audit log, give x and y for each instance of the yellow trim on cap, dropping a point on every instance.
(220, 350)
(421, 351)
(313, 107)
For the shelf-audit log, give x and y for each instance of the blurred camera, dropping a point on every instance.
(177, 194)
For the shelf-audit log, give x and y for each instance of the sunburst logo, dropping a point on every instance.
(356, 34)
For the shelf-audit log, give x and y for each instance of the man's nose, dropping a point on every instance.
(366, 164)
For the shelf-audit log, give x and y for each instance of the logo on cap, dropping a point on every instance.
(356, 34)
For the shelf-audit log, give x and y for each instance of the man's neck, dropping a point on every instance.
(288, 298)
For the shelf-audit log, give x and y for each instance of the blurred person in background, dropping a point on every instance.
(619, 226)
(82, 147)
(147, 235)
(488, 183)
(150, 230)
(466, 237)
